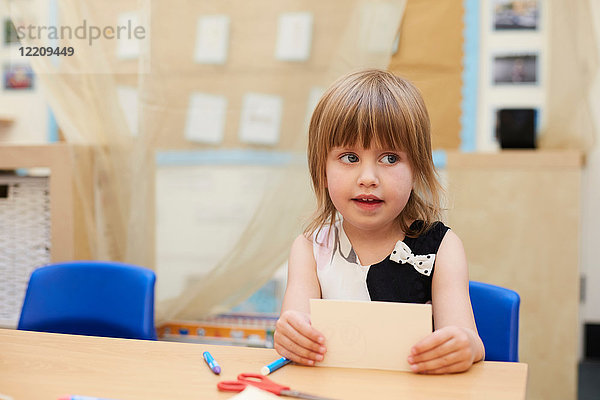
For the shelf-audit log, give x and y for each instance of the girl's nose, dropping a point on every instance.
(368, 176)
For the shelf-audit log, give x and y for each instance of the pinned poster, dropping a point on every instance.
(128, 99)
(261, 118)
(212, 39)
(369, 334)
(294, 36)
(206, 118)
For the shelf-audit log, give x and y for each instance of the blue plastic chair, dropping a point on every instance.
(496, 311)
(96, 298)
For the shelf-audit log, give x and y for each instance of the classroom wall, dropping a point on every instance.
(24, 113)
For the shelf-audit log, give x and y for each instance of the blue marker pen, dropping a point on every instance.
(214, 367)
(274, 366)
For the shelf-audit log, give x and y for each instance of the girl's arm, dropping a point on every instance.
(455, 344)
(294, 336)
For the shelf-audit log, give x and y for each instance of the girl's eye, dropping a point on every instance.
(349, 158)
(389, 159)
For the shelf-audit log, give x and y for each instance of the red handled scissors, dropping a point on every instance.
(264, 383)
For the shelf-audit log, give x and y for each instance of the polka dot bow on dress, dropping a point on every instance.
(422, 263)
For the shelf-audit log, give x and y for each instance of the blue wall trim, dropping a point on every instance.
(439, 159)
(52, 127)
(470, 75)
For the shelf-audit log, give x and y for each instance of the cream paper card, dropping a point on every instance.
(369, 334)
(254, 393)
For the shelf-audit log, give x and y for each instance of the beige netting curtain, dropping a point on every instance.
(82, 91)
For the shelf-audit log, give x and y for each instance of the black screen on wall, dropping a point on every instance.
(515, 128)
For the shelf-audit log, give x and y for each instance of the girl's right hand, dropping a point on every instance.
(297, 340)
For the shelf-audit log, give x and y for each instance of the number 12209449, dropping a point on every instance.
(46, 51)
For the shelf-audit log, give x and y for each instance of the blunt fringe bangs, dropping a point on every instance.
(374, 108)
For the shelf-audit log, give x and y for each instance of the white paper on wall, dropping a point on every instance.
(396, 44)
(128, 46)
(206, 118)
(315, 94)
(212, 39)
(128, 99)
(261, 118)
(294, 36)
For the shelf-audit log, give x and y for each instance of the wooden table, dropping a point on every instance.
(40, 366)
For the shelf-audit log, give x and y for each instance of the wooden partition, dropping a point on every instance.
(518, 214)
(68, 236)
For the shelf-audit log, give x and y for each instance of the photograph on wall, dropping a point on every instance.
(9, 32)
(18, 77)
(516, 127)
(515, 15)
(515, 69)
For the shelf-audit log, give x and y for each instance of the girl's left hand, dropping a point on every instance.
(448, 350)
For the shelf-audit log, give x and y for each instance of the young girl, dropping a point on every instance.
(376, 235)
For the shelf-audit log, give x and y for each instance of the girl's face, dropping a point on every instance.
(369, 187)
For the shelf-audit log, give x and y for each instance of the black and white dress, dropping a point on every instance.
(404, 276)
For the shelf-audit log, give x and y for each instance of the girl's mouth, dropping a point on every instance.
(368, 202)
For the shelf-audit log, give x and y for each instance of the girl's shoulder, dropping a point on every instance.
(325, 235)
(435, 226)
(323, 242)
(301, 249)
(429, 240)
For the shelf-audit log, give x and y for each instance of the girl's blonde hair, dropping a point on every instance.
(375, 108)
